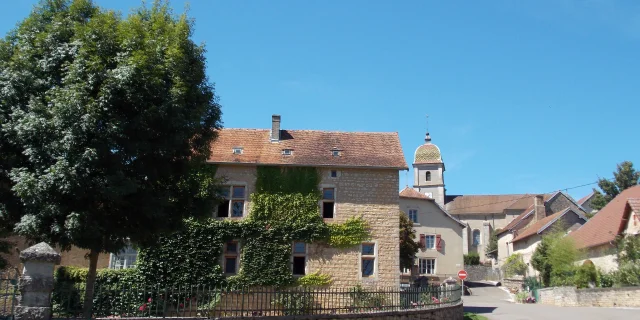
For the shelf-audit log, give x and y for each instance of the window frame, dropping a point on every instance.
(230, 186)
(426, 236)
(434, 269)
(126, 253)
(473, 238)
(373, 257)
(295, 254)
(323, 200)
(226, 255)
(416, 215)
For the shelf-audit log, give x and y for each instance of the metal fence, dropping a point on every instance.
(203, 301)
(8, 293)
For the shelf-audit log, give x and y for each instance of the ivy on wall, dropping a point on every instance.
(284, 209)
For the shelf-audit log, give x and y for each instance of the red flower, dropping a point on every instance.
(181, 305)
(150, 300)
(143, 307)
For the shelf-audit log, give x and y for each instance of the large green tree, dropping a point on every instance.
(408, 245)
(113, 118)
(624, 177)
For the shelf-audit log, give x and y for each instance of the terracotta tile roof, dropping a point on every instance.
(481, 204)
(523, 217)
(413, 194)
(607, 224)
(634, 204)
(310, 148)
(585, 198)
(541, 225)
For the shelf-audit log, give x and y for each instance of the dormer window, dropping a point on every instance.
(237, 150)
(287, 152)
(335, 153)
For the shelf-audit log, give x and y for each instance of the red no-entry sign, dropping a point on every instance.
(462, 274)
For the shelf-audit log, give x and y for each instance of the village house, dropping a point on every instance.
(585, 202)
(439, 234)
(359, 177)
(598, 236)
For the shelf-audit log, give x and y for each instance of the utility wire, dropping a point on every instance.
(528, 196)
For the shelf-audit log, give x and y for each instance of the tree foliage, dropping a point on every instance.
(408, 245)
(624, 177)
(493, 241)
(555, 256)
(113, 118)
(628, 258)
(514, 265)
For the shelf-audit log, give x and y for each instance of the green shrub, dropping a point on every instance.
(294, 303)
(531, 283)
(606, 280)
(365, 300)
(586, 274)
(315, 279)
(471, 259)
(628, 274)
(521, 296)
(514, 265)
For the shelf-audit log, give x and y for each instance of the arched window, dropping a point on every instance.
(476, 237)
(428, 176)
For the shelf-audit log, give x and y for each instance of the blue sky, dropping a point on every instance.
(523, 96)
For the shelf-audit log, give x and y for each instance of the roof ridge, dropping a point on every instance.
(311, 130)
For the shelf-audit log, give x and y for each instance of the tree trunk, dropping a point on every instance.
(90, 285)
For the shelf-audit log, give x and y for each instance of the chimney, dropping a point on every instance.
(539, 210)
(275, 128)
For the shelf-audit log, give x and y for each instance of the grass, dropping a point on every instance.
(473, 316)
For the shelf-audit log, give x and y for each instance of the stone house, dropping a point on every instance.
(439, 233)
(527, 240)
(523, 233)
(597, 237)
(585, 202)
(359, 177)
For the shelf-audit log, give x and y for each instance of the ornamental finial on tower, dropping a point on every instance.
(427, 138)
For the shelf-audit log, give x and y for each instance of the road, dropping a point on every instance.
(493, 303)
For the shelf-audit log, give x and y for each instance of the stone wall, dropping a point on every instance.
(480, 273)
(75, 257)
(598, 297)
(371, 193)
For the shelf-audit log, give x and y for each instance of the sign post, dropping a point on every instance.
(462, 275)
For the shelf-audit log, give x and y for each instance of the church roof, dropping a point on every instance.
(427, 153)
(481, 204)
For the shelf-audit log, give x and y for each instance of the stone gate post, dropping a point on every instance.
(36, 282)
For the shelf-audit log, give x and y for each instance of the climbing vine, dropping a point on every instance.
(284, 208)
(350, 233)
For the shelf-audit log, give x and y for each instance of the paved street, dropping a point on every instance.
(492, 302)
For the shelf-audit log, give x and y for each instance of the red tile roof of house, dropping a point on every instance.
(634, 204)
(413, 194)
(540, 225)
(310, 148)
(605, 226)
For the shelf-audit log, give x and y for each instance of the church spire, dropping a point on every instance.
(427, 137)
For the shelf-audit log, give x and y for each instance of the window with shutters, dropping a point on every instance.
(427, 266)
(428, 241)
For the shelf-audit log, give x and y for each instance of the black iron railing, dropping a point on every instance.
(204, 301)
(8, 293)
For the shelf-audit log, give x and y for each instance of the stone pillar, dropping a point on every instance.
(465, 238)
(36, 282)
